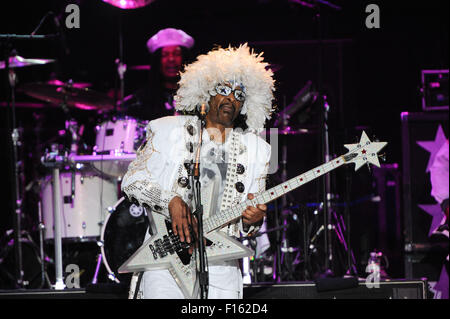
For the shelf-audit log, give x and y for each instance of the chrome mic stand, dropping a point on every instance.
(203, 272)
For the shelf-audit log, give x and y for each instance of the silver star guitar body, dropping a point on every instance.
(163, 250)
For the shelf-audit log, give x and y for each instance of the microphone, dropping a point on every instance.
(203, 109)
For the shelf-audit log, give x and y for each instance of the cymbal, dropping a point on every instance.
(274, 67)
(291, 131)
(80, 98)
(25, 105)
(78, 85)
(129, 4)
(140, 67)
(20, 62)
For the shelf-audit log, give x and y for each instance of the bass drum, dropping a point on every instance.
(122, 234)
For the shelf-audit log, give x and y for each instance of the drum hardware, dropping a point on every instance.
(282, 257)
(110, 167)
(84, 193)
(35, 273)
(12, 61)
(56, 163)
(41, 229)
(74, 132)
(97, 268)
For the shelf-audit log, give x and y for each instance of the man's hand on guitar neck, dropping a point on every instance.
(182, 218)
(253, 215)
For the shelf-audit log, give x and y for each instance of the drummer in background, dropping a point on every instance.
(170, 50)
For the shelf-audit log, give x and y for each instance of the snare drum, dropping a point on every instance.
(84, 196)
(122, 235)
(123, 136)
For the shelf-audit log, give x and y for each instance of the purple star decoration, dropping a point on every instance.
(438, 216)
(442, 285)
(433, 146)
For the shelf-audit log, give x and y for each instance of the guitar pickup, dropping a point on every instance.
(168, 245)
(159, 248)
(155, 255)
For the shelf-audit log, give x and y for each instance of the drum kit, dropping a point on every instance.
(80, 195)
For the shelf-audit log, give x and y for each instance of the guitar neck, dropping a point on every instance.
(223, 218)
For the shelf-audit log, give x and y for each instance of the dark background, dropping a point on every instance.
(369, 75)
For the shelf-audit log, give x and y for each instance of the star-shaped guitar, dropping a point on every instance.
(164, 250)
(368, 151)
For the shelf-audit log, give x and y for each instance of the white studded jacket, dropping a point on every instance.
(159, 172)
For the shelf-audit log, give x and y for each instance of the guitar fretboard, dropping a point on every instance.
(223, 218)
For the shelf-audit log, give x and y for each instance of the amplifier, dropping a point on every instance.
(434, 90)
(392, 289)
(422, 135)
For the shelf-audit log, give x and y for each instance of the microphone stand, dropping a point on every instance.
(198, 213)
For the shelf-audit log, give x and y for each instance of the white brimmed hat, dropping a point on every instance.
(169, 36)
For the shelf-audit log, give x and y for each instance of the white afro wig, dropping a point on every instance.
(238, 65)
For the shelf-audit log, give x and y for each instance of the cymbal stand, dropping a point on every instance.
(11, 81)
(41, 228)
(15, 143)
(121, 69)
(325, 186)
(284, 252)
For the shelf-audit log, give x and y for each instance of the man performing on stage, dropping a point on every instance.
(237, 89)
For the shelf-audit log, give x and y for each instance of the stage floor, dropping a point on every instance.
(334, 288)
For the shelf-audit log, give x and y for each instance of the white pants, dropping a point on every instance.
(225, 282)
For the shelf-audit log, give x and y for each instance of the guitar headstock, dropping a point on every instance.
(364, 152)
